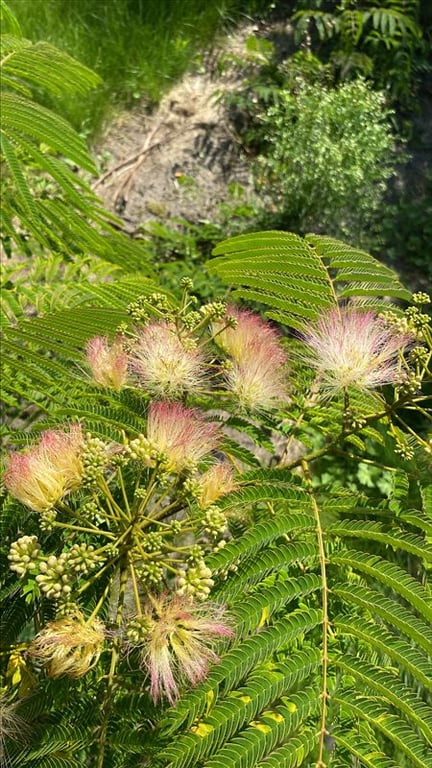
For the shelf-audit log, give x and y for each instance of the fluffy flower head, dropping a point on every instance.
(166, 364)
(350, 348)
(250, 331)
(178, 643)
(257, 373)
(258, 380)
(182, 434)
(12, 726)
(215, 483)
(108, 364)
(53, 468)
(70, 646)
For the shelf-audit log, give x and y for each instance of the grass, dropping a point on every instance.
(138, 47)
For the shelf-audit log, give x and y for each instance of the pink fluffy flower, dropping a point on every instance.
(108, 364)
(259, 380)
(178, 644)
(257, 374)
(47, 472)
(182, 434)
(165, 363)
(350, 348)
(250, 330)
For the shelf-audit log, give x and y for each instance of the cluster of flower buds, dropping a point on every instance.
(413, 321)
(24, 555)
(54, 577)
(54, 574)
(82, 558)
(195, 581)
(145, 307)
(142, 449)
(151, 573)
(94, 458)
(411, 385)
(214, 521)
(137, 629)
(353, 420)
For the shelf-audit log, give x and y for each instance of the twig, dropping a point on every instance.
(132, 158)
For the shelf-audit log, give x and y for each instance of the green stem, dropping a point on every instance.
(81, 528)
(325, 619)
(111, 684)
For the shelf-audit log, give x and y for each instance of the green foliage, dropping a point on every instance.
(320, 610)
(326, 588)
(46, 201)
(382, 40)
(407, 229)
(327, 156)
(301, 278)
(138, 47)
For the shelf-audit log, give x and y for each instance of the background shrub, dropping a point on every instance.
(327, 156)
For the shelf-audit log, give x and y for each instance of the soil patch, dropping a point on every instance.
(184, 158)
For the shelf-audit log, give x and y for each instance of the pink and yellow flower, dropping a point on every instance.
(259, 379)
(351, 348)
(249, 330)
(181, 434)
(257, 373)
(178, 646)
(70, 646)
(165, 363)
(41, 477)
(108, 364)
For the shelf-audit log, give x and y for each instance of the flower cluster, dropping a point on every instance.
(142, 515)
(166, 363)
(108, 363)
(215, 483)
(181, 434)
(53, 574)
(166, 356)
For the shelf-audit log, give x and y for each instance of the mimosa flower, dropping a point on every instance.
(249, 332)
(257, 374)
(215, 483)
(181, 434)
(178, 643)
(12, 726)
(350, 348)
(108, 364)
(70, 646)
(259, 379)
(166, 364)
(47, 472)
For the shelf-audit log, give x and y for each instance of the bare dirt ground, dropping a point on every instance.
(181, 160)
